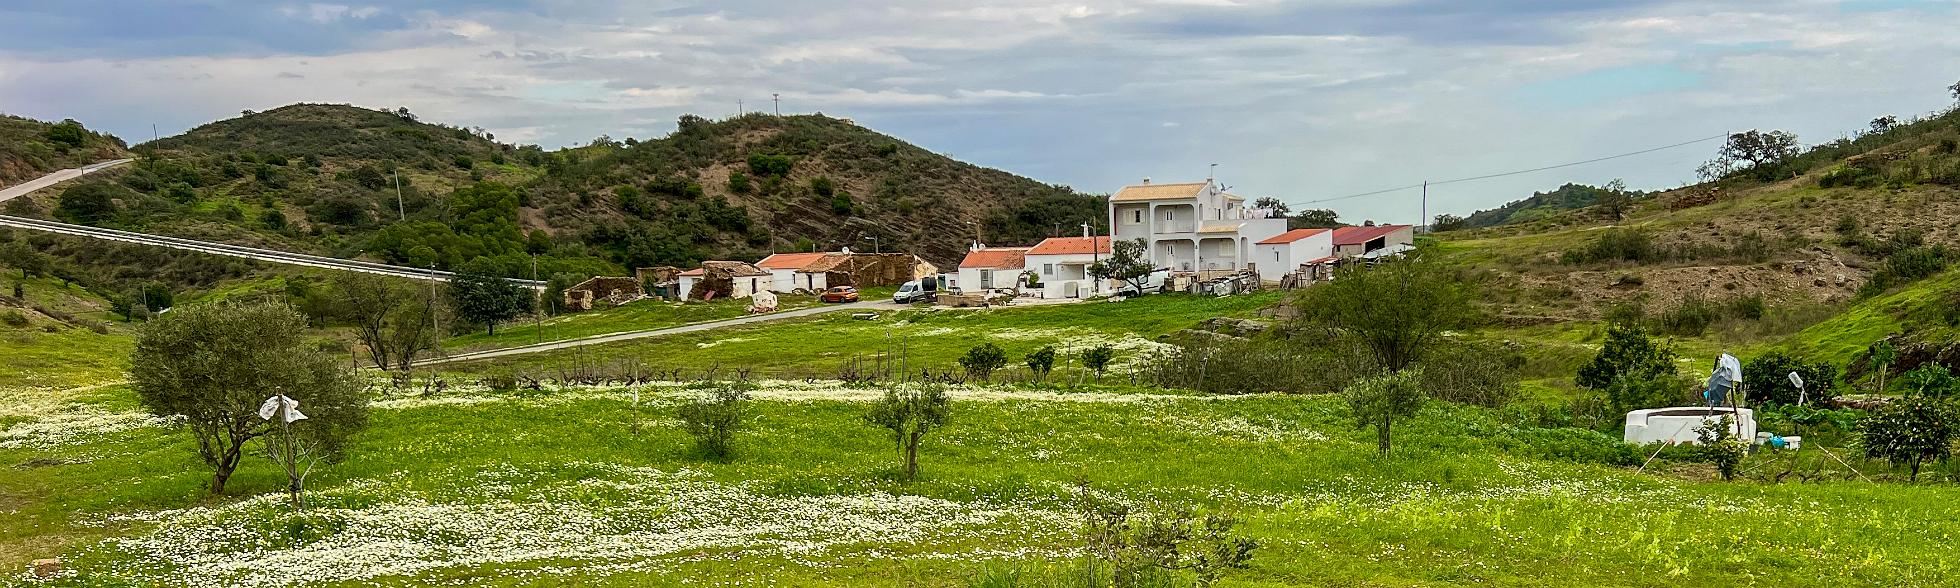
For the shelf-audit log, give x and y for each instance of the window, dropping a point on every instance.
(1139, 215)
(1275, 255)
(1170, 214)
(1047, 269)
(986, 278)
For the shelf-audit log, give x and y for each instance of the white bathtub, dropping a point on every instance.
(1677, 424)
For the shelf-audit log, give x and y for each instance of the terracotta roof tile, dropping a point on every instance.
(1360, 235)
(997, 258)
(1069, 245)
(788, 261)
(1291, 236)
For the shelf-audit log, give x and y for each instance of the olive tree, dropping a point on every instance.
(1397, 310)
(1379, 401)
(1128, 262)
(213, 365)
(910, 411)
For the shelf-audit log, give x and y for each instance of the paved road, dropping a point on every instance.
(267, 255)
(23, 188)
(880, 306)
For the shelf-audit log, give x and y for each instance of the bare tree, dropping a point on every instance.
(394, 320)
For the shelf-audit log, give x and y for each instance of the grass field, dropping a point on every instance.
(634, 316)
(925, 338)
(501, 489)
(470, 486)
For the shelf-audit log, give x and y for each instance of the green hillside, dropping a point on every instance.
(31, 148)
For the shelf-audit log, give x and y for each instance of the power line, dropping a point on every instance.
(1512, 173)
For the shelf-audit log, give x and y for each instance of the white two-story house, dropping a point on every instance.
(1191, 227)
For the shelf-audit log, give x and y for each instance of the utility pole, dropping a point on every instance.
(739, 111)
(538, 314)
(1425, 207)
(1213, 174)
(1095, 285)
(399, 208)
(778, 99)
(435, 314)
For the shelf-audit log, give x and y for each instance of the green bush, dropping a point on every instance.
(13, 318)
(1041, 361)
(1627, 350)
(1690, 318)
(981, 360)
(1768, 376)
(714, 416)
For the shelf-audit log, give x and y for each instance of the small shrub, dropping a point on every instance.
(13, 318)
(1041, 361)
(1098, 358)
(1749, 307)
(714, 416)
(981, 360)
(1690, 318)
(1768, 376)
(1635, 391)
(1718, 444)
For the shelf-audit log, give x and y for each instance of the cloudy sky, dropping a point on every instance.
(1300, 100)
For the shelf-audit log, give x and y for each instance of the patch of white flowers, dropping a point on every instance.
(622, 518)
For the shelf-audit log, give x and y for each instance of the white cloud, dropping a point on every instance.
(1295, 103)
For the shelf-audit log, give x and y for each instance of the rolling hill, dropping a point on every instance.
(31, 148)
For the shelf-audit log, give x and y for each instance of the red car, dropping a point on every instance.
(840, 294)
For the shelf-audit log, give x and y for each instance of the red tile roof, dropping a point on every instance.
(788, 261)
(1360, 235)
(997, 258)
(1291, 236)
(1069, 245)
(699, 271)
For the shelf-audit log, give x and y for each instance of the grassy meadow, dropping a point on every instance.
(505, 489)
(579, 485)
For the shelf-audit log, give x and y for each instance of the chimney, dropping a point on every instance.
(1085, 232)
(1146, 180)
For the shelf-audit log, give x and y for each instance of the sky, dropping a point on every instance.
(1304, 101)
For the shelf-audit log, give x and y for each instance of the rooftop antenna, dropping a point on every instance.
(1210, 175)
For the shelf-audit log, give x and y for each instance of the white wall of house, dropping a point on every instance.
(687, 285)
(782, 280)
(814, 282)
(1066, 274)
(1275, 261)
(976, 279)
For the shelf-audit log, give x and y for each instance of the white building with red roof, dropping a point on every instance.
(1062, 265)
(990, 268)
(783, 267)
(1295, 250)
(1373, 240)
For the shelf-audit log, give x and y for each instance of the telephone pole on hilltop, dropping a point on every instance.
(778, 99)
